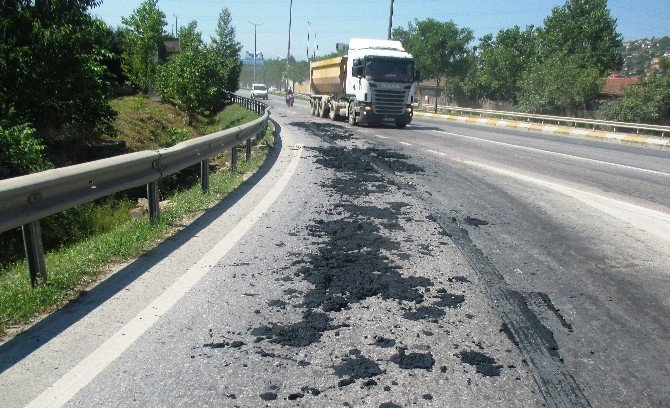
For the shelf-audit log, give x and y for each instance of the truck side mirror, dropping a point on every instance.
(360, 71)
(417, 76)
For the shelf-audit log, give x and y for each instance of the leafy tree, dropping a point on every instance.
(228, 51)
(50, 67)
(191, 80)
(440, 48)
(142, 43)
(297, 71)
(583, 27)
(271, 72)
(648, 102)
(111, 41)
(560, 85)
(20, 152)
(502, 62)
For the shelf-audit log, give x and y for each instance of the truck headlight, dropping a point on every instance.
(408, 110)
(367, 108)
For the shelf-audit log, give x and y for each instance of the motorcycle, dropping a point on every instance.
(289, 100)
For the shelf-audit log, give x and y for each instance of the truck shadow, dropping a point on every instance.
(51, 326)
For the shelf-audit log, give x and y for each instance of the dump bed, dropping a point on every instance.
(328, 77)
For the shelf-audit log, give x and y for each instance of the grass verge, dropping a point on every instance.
(73, 268)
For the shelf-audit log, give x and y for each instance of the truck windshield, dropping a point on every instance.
(389, 70)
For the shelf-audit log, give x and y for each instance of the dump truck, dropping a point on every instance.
(373, 84)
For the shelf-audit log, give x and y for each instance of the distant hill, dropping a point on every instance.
(638, 54)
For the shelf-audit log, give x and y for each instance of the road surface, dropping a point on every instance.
(439, 265)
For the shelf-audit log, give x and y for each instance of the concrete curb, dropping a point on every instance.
(551, 129)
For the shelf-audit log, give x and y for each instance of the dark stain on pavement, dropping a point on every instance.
(484, 364)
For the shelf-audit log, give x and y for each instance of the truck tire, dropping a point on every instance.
(312, 109)
(323, 110)
(352, 116)
(332, 113)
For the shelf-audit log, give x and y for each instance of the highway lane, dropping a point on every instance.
(440, 265)
(584, 222)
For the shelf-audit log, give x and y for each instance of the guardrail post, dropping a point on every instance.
(32, 243)
(248, 150)
(154, 202)
(233, 158)
(204, 175)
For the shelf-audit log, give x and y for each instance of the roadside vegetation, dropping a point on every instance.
(72, 90)
(558, 68)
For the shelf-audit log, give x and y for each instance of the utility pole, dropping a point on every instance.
(255, 25)
(390, 20)
(290, 14)
(309, 28)
(176, 26)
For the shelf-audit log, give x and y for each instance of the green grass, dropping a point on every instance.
(73, 267)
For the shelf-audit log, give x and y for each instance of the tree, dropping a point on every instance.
(440, 48)
(191, 80)
(583, 27)
(502, 62)
(142, 43)
(297, 71)
(228, 51)
(51, 73)
(560, 85)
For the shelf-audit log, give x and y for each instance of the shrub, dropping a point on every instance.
(20, 152)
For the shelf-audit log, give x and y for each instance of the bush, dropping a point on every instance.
(20, 152)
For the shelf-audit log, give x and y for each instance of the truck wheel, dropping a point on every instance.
(332, 113)
(352, 116)
(313, 108)
(323, 110)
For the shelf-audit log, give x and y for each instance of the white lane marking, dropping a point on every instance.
(83, 373)
(405, 143)
(436, 152)
(381, 137)
(555, 153)
(651, 221)
(364, 131)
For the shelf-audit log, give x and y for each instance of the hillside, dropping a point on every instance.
(638, 54)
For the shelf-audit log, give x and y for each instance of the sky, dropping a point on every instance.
(333, 21)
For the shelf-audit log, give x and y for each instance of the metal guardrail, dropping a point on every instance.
(636, 127)
(27, 199)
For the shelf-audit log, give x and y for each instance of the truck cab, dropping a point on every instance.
(381, 81)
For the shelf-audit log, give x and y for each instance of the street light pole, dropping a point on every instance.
(390, 20)
(176, 26)
(290, 14)
(255, 25)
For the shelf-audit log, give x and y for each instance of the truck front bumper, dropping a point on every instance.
(368, 117)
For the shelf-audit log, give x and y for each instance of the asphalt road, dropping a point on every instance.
(439, 265)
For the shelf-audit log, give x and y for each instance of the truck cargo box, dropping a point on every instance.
(329, 76)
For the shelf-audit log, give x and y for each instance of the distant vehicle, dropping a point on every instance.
(259, 91)
(373, 84)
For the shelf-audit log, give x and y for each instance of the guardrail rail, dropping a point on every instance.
(567, 120)
(26, 199)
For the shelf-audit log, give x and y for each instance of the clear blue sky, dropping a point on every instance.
(338, 20)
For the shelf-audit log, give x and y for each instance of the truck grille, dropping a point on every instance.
(388, 102)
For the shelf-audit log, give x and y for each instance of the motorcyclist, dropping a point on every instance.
(289, 96)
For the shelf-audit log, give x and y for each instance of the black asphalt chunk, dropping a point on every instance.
(459, 279)
(277, 303)
(431, 313)
(310, 390)
(383, 342)
(295, 396)
(475, 222)
(427, 397)
(326, 130)
(356, 367)
(268, 396)
(300, 334)
(485, 365)
(389, 405)
(449, 300)
(411, 361)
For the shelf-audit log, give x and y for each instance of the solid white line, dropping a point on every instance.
(554, 153)
(381, 137)
(651, 221)
(405, 143)
(83, 373)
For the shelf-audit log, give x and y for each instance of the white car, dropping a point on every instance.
(259, 91)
